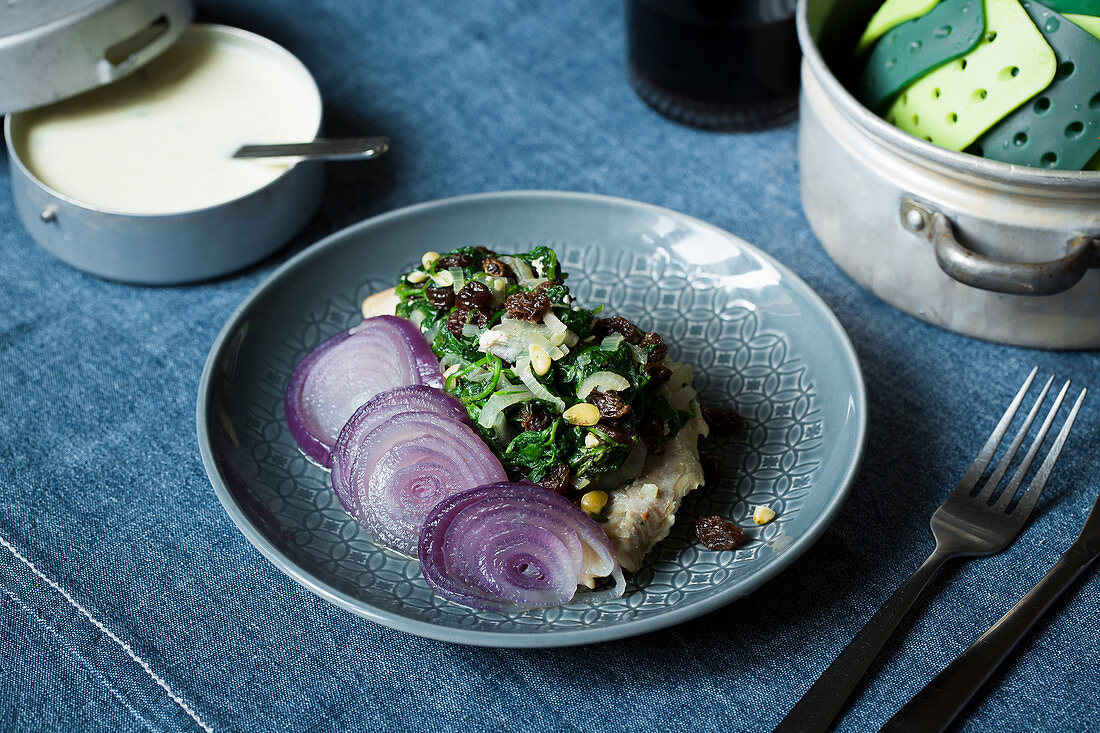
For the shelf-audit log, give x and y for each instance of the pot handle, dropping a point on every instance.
(1000, 276)
(136, 49)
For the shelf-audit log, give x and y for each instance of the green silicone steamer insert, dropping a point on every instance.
(954, 104)
(1088, 22)
(1083, 7)
(892, 14)
(1060, 128)
(915, 47)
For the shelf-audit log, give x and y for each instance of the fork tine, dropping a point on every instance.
(1031, 495)
(1002, 467)
(977, 468)
(1025, 464)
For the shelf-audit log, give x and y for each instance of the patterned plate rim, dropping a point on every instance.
(501, 639)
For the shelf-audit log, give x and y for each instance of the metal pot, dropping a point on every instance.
(991, 250)
(170, 248)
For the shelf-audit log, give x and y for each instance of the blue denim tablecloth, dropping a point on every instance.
(129, 601)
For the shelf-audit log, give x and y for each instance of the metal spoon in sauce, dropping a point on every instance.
(360, 148)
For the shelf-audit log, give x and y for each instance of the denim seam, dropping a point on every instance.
(111, 635)
(83, 662)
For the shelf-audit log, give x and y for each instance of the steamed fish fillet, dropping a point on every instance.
(642, 512)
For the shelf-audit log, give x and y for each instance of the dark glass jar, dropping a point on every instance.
(716, 64)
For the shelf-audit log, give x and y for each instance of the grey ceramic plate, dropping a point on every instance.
(759, 338)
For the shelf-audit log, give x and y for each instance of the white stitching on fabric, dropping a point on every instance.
(125, 647)
(83, 662)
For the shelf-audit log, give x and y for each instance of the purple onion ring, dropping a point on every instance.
(349, 369)
(513, 546)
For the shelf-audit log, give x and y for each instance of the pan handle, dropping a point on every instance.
(1000, 276)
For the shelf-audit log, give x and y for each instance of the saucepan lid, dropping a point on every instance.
(53, 49)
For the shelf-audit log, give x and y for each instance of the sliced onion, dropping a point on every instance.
(513, 337)
(391, 476)
(513, 546)
(523, 272)
(451, 360)
(682, 398)
(347, 370)
(560, 335)
(523, 371)
(495, 405)
(611, 343)
(638, 353)
(603, 381)
(380, 409)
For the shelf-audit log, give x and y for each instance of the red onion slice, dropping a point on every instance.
(512, 546)
(347, 370)
(391, 476)
(384, 406)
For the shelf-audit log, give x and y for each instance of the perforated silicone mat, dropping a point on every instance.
(953, 105)
(890, 15)
(1060, 128)
(914, 48)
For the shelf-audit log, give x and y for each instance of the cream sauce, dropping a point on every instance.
(160, 141)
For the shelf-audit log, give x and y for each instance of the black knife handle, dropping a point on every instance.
(816, 709)
(934, 707)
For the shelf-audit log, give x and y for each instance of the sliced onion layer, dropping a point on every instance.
(510, 546)
(418, 398)
(349, 369)
(380, 409)
(389, 475)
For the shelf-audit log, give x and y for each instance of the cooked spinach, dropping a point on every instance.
(519, 411)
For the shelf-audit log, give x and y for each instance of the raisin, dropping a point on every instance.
(723, 420)
(712, 469)
(475, 295)
(535, 417)
(462, 315)
(528, 306)
(659, 351)
(456, 321)
(442, 298)
(459, 259)
(611, 405)
(658, 373)
(615, 432)
(495, 267)
(607, 326)
(717, 533)
(556, 478)
(479, 318)
(653, 437)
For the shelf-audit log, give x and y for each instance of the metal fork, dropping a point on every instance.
(971, 521)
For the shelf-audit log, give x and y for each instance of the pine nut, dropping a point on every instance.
(540, 360)
(582, 413)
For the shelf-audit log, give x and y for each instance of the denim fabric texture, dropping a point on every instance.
(129, 601)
